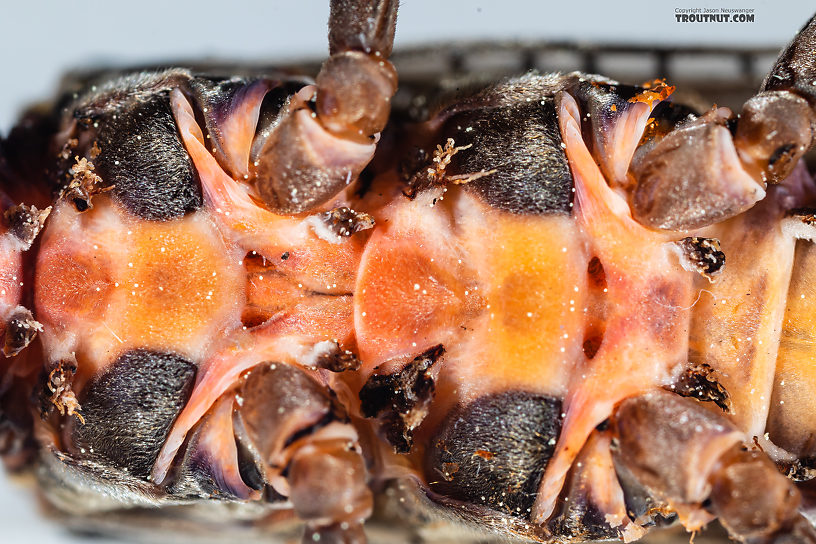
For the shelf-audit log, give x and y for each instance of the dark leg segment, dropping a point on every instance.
(307, 160)
(329, 491)
(795, 69)
(716, 166)
(294, 440)
(690, 458)
(359, 25)
(755, 502)
(356, 84)
(774, 131)
(777, 126)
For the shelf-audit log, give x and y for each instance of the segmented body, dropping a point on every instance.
(511, 309)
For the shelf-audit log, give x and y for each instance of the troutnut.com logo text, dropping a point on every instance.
(714, 15)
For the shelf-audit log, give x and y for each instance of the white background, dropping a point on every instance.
(39, 41)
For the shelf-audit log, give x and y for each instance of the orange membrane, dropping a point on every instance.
(114, 283)
(296, 298)
(412, 288)
(504, 293)
(649, 297)
(532, 277)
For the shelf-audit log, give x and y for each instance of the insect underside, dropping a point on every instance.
(553, 308)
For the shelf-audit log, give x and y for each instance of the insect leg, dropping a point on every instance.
(694, 461)
(312, 155)
(777, 126)
(355, 85)
(329, 491)
(716, 166)
(295, 440)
